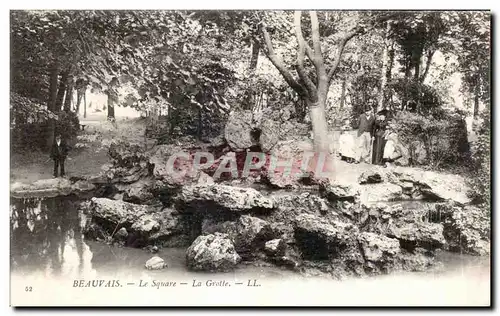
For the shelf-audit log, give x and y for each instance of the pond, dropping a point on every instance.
(49, 251)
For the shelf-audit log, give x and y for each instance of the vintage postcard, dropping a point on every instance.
(250, 158)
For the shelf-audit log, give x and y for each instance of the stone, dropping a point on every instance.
(275, 248)
(139, 192)
(146, 224)
(182, 173)
(155, 263)
(435, 185)
(378, 248)
(294, 151)
(235, 199)
(239, 129)
(118, 211)
(381, 192)
(318, 239)
(121, 234)
(467, 229)
(214, 252)
(251, 235)
(418, 234)
(336, 190)
(370, 177)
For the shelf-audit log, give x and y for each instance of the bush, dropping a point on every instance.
(445, 140)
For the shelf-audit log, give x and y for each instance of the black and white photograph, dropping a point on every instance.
(248, 158)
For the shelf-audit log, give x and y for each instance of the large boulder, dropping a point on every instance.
(295, 152)
(248, 233)
(155, 263)
(273, 131)
(318, 239)
(118, 211)
(235, 199)
(337, 190)
(145, 223)
(212, 253)
(140, 192)
(377, 248)
(466, 229)
(170, 172)
(239, 130)
(381, 192)
(434, 185)
(417, 234)
(251, 235)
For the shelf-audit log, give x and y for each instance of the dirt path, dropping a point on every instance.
(89, 153)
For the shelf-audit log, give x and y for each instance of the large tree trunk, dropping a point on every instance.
(342, 94)
(51, 104)
(84, 104)
(69, 95)
(61, 91)
(255, 54)
(111, 108)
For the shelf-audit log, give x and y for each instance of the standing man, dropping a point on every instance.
(366, 125)
(59, 153)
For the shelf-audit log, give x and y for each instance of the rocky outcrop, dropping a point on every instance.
(140, 192)
(318, 239)
(155, 263)
(172, 166)
(118, 211)
(234, 199)
(248, 234)
(143, 223)
(212, 253)
(336, 190)
(381, 192)
(422, 235)
(467, 229)
(273, 131)
(293, 152)
(378, 249)
(434, 185)
(239, 131)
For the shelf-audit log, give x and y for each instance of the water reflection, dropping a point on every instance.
(46, 237)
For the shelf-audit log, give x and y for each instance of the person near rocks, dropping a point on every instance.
(379, 140)
(366, 125)
(347, 145)
(58, 153)
(392, 150)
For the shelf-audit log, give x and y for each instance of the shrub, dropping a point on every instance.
(445, 140)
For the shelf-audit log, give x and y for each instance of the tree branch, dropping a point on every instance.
(300, 55)
(318, 56)
(340, 49)
(278, 63)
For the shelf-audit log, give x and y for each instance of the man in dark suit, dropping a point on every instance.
(58, 153)
(366, 125)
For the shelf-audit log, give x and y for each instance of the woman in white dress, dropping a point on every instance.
(347, 145)
(391, 149)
